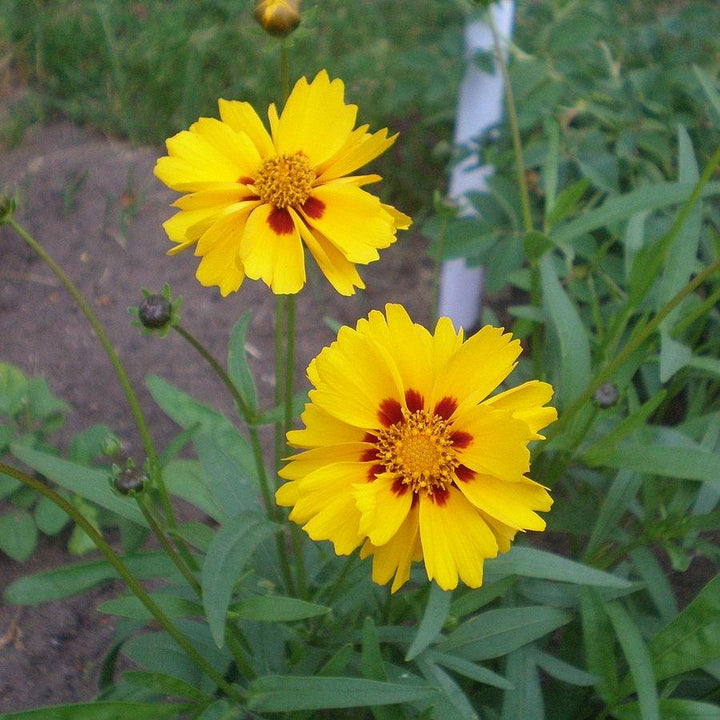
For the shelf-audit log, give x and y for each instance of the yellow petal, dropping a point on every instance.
(499, 442)
(306, 462)
(315, 119)
(242, 118)
(382, 509)
(322, 429)
(341, 273)
(455, 541)
(219, 264)
(353, 221)
(400, 219)
(237, 148)
(525, 402)
(504, 534)
(478, 367)
(358, 152)
(511, 502)
(275, 257)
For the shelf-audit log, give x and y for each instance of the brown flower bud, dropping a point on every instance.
(155, 311)
(278, 17)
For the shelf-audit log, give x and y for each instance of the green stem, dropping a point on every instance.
(115, 361)
(435, 297)
(127, 576)
(638, 339)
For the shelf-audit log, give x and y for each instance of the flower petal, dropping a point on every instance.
(315, 119)
(455, 540)
(525, 402)
(304, 463)
(358, 151)
(382, 507)
(242, 118)
(276, 257)
(322, 430)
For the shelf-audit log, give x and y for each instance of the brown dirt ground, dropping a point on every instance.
(97, 209)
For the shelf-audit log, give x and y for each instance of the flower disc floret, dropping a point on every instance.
(410, 454)
(285, 180)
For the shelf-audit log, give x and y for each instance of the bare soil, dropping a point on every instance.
(97, 209)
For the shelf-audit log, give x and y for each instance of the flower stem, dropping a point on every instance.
(132, 583)
(97, 326)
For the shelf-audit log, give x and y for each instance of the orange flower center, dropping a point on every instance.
(419, 450)
(285, 180)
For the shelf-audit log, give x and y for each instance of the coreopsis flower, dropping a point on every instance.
(254, 199)
(278, 17)
(406, 453)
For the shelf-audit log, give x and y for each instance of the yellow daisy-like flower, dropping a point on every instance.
(255, 198)
(408, 455)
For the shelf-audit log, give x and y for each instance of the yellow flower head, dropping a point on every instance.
(254, 199)
(406, 453)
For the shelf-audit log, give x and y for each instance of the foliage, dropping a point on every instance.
(615, 282)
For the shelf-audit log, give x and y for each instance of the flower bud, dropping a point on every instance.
(606, 395)
(278, 17)
(154, 311)
(7, 208)
(130, 481)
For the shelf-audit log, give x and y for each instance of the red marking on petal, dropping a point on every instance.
(369, 455)
(375, 470)
(314, 208)
(399, 488)
(460, 439)
(280, 221)
(440, 496)
(414, 400)
(414, 500)
(446, 407)
(464, 473)
(390, 412)
(245, 180)
(369, 438)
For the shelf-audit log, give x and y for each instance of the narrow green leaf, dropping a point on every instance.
(185, 479)
(709, 87)
(89, 483)
(692, 639)
(638, 658)
(498, 632)
(550, 167)
(101, 711)
(276, 693)
(18, 534)
(276, 608)
(436, 613)
(563, 671)
(574, 346)
(132, 607)
(671, 709)
(567, 202)
(530, 562)
(470, 670)
(373, 668)
(598, 643)
(524, 701)
(237, 362)
(657, 583)
(227, 556)
(163, 684)
(49, 518)
(452, 703)
(223, 710)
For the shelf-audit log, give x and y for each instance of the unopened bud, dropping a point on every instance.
(607, 395)
(130, 481)
(7, 208)
(278, 17)
(154, 311)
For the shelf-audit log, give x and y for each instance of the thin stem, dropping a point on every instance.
(115, 361)
(639, 338)
(279, 383)
(128, 577)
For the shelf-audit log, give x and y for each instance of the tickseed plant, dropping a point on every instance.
(413, 455)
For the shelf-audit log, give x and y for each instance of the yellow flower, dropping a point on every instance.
(408, 455)
(255, 198)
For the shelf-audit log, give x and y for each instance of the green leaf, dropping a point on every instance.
(499, 632)
(671, 709)
(13, 384)
(223, 710)
(599, 649)
(133, 607)
(468, 669)
(185, 479)
(373, 668)
(656, 581)
(237, 362)
(530, 562)
(163, 684)
(638, 658)
(452, 703)
(18, 534)
(276, 608)
(692, 639)
(524, 701)
(436, 613)
(686, 463)
(570, 332)
(560, 670)
(89, 483)
(63, 582)
(276, 693)
(101, 711)
(567, 202)
(49, 518)
(226, 558)
(709, 87)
